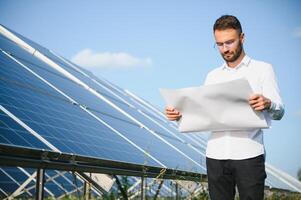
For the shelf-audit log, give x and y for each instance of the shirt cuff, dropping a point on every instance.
(276, 111)
(272, 106)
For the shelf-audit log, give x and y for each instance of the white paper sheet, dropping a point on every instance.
(217, 107)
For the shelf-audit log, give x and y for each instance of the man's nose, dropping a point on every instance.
(224, 51)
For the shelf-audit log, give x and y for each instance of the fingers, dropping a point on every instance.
(173, 118)
(171, 113)
(255, 97)
(258, 106)
(169, 108)
(253, 102)
(259, 102)
(256, 101)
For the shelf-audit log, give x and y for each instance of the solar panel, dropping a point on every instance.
(14, 134)
(60, 122)
(169, 155)
(57, 183)
(11, 179)
(133, 109)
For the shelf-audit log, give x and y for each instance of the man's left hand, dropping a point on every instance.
(259, 102)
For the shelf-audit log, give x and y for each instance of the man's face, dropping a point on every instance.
(229, 43)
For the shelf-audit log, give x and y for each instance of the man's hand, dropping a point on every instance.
(259, 102)
(172, 114)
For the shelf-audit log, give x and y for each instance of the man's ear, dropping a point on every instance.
(242, 37)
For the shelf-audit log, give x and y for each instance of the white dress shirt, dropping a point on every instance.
(245, 144)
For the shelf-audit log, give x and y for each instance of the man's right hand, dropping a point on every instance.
(172, 114)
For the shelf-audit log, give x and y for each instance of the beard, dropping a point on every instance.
(231, 56)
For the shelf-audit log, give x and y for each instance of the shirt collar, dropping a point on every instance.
(244, 62)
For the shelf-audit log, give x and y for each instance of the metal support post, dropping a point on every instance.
(40, 179)
(142, 189)
(177, 191)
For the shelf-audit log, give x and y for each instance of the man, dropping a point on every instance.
(236, 158)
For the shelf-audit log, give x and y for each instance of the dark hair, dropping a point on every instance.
(227, 22)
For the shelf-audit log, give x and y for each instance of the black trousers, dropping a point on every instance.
(248, 175)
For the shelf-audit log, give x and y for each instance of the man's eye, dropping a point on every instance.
(229, 42)
(219, 44)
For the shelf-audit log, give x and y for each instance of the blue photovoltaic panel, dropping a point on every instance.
(118, 98)
(57, 183)
(13, 134)
(10, 179)
(60, 184)
(93, 102)
(126, 126)
(178, 139)
(6, 183)
(145, 109)
(120, 122)
(88, 80)
(63, 124)
(67, 181)
(167, 155)
(155, 116)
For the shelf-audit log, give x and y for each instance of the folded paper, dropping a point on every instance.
(216, 107)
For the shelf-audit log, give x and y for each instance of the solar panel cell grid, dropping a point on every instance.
(65, 125)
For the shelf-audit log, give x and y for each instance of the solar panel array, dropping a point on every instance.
(61, 107)
(70, 128)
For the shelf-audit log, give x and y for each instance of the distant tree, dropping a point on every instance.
(299, 174)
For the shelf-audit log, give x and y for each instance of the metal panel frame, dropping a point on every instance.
(35, 158)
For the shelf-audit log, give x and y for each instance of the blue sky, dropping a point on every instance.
(145, 45)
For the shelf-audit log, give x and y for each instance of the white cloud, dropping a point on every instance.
(297, 32)
(95, 60)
